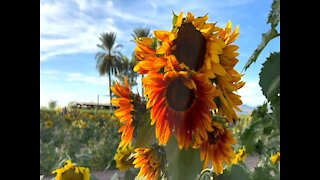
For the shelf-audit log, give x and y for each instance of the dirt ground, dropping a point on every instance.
(250, 161)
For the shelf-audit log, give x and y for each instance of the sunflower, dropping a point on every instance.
(122, 159)
(230, 82)
(240, 156)
(228, 101)
(180, 102)
(193, 44)
(48, 124)
(124, 101)
(148, 60)
(71, 171)
(275, 158)
(218, 147)
(151, 161)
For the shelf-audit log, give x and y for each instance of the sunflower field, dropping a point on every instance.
(87, 137)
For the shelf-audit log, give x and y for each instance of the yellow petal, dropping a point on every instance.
(164, 35)
(218, 69)
(164, 48)
(179, 20)
(199, 22)
(190, 17)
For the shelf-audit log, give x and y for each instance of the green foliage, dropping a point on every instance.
(52, 104)
(174, 19)
(266, 38)
(262, 135)
(273, 19)
(236, 172)
(261, 173)
(270, 76)
(130, 174)
(146, 133)
(274, 16)
(183, 164)
(260, 131)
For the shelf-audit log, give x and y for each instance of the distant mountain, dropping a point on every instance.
(246, 109)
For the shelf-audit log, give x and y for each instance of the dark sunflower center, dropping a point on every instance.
(212, 139)
(179, 97)
(190, 46)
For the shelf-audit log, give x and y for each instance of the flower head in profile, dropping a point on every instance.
(72, 171)
(275, 158)
(180, 102)
(228, 101)
(218, 148)
(240, 156)
(122, 157)
(124, 113)
(150, 160)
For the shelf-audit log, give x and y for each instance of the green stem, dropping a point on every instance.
(207, 170)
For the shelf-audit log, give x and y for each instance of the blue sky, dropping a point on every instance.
(70, 30)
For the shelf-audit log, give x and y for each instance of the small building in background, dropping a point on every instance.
(90, 105)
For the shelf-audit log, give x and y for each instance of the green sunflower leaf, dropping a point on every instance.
(236, 172)
(270, 76)
(271, 34)
(267, 130)
(175, 18)
(182, 164)
(130, 174)
(275, 106)
(248, 138)
(270, 79)
(261, 173)
(145, 132)
(274, 15)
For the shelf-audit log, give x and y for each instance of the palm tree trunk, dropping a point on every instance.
(110, 95)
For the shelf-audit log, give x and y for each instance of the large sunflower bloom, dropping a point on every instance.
(150, 160)
(180, 102)
(218, 148)
(192, 44)
(124, 101)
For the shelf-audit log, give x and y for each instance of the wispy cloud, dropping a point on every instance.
(251, 93)
(78, 77)
(70, 27)
(66, 28)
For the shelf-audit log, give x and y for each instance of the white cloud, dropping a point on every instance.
(251, 93)
(69, 27)
(64, 29)
(78, 77)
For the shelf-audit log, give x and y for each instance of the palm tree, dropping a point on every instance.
(127, 70)
(108, 61)
(52, 104)
(137, 33)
